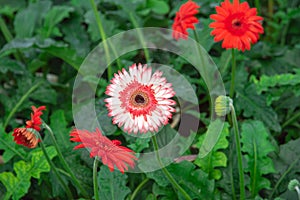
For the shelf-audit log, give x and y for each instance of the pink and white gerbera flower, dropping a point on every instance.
(139, 100)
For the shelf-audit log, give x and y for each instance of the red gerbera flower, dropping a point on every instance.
(236, 24)
(184, 19)
(25, 137)
(110, 151)
(35, 121)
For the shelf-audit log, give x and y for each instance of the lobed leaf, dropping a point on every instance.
(112, 185)
(256, 145)
(215, 158)
(18, 185)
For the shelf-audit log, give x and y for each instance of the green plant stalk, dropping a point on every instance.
(291, 120)
(298, 191)
(239, 152)
(95, 181)
(233, 69)
(257, 5)
(138, 188)
(270, 8)
(64, 163)
(12, 149)
(66, 188)
(140, 35)
(166, 172)
(231, 176)
(203, 65)
(8, 37)
(282, 177)
(103, 36)
(25, 96)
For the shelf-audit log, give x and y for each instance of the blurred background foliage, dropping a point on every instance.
(44, 42)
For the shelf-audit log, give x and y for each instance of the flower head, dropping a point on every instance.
(139, 99)
(184, 19)
(25, 137)
(222, 105)
(35, 121)
(236, 24)
(110, 151)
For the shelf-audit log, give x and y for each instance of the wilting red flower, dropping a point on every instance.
(110, 151)
(184, 19)
(140, 100)
(35, 121)
(236, 24)
(25, 137)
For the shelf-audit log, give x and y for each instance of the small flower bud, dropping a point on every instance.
(293, 184)
(222, 105)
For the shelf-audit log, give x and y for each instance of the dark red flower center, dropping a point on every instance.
(236, 24)
(140, 98)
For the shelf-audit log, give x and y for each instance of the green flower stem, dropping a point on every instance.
(270, 8)
(25, 96)
(298, 191)
(283, 176)
(138, 188)
(203, 64)
(231, 176)
(66, 188)
(12, 149)
(140, 35)
(291, 120)
(239, 152)
(95, 181)
(103, 36)
(166, 172)
(8, 37)
(64, 163)
(257, 5)
(233, 69)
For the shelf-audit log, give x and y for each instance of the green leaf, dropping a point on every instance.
(18, 185)
(257, 146)
(8, 7)
(9, 146)
(194, 182)
(18, 43)
(66, 54)
(287, 164)
(287, 79)
(78, 39)
(204, 35)
(215, 158)
(211, 137)
(7, 64)
(45, 94)
(27, 19)
(158, 6)
(255, 105)
(59, 127)
(108, 25)
(112, 185)
(52, 18)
